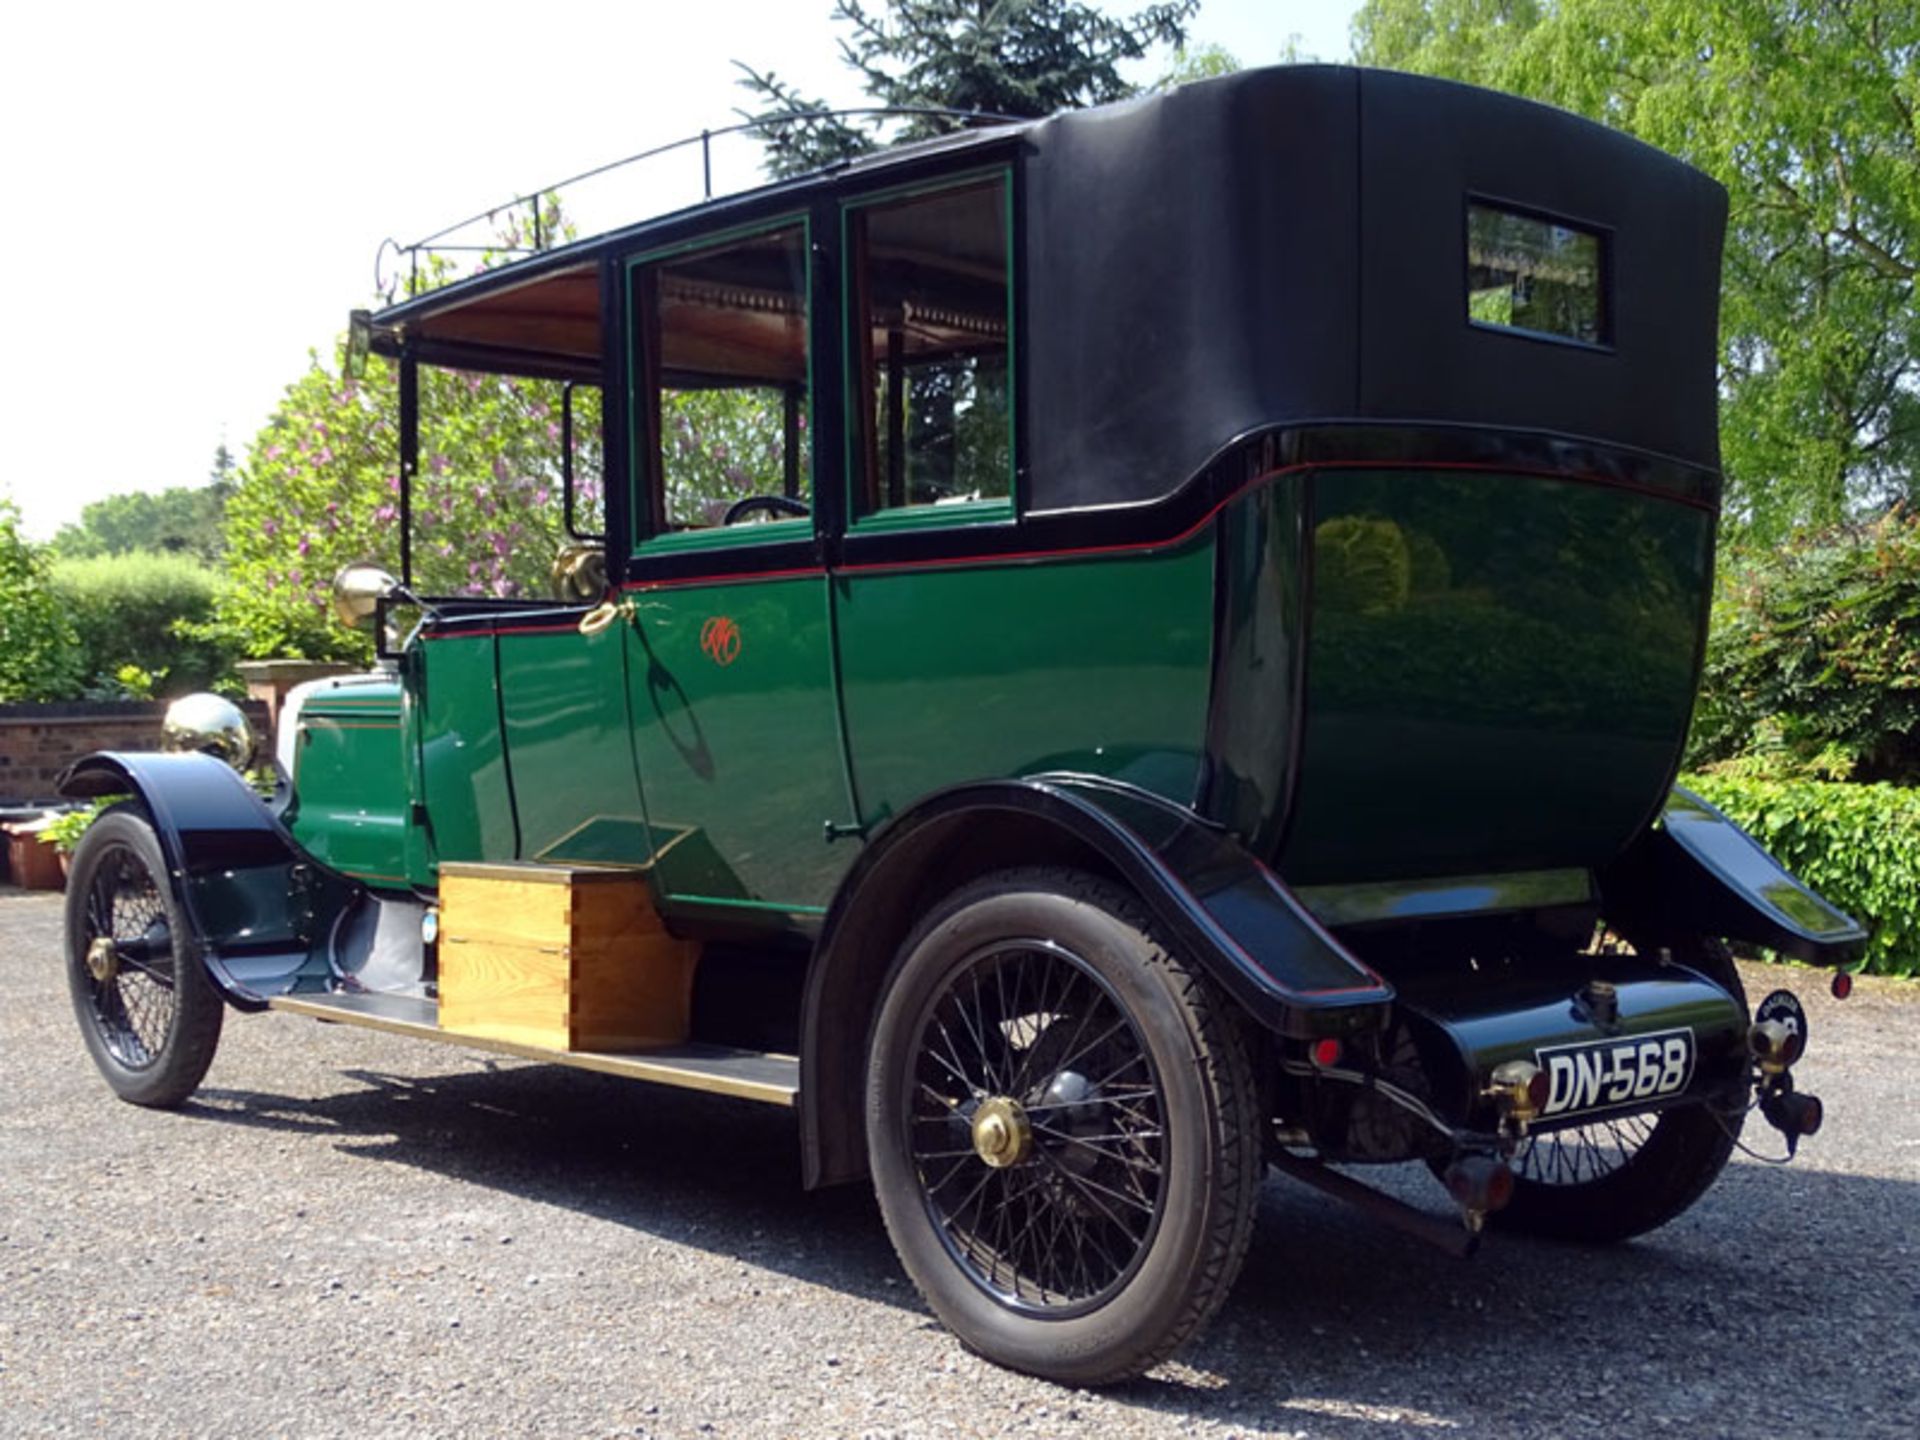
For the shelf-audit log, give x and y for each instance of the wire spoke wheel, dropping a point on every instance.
(148, 1015)
(1062, 1125)
(1582, 1154)
(1036, 1128)
(129, 959)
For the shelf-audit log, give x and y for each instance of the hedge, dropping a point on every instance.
(1857, 845)
(125, 608)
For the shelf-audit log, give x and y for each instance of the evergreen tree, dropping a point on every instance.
(993, 58)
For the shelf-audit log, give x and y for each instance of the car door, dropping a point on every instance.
(977, 640)
(730, 657)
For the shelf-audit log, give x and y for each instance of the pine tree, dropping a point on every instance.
(995, 59)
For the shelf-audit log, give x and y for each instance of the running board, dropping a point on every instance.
(743, 1074)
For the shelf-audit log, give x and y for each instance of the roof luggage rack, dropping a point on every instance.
(532, 233)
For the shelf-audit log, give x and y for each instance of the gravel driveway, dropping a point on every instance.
(349, 1233)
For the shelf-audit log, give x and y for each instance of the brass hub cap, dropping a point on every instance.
(102, 962)
(1001, 1134)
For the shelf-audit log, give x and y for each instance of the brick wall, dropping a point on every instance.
(37, 742)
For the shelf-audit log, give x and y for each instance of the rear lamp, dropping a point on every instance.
(1326, 1054)
(1479, 1185)
(1842, 984)
(1795, 1114)
(1520, 1088)
(1775, 1045)
(1499, 1188)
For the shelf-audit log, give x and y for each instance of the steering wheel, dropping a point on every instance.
(777, 505)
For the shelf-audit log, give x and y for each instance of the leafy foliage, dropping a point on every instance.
(321, 485)
(181, 521)
(63, 832)
(1204, 62)
(722, 446)
(1857, 845)
(1813, 662)
(1024, 58)
(321, 488)
(1806, 112)
(38, 658)
(127, 612)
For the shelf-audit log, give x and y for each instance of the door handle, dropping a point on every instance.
(604, 614)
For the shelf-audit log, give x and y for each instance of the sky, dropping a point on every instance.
(196, 191)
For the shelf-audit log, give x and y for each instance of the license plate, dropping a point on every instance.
(1610, 1074)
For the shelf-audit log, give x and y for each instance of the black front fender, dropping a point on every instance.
(258, 904)
(1226, 912)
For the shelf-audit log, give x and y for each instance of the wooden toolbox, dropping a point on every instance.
(560, 957)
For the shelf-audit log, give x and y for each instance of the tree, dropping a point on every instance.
(180, 521)
(1207, 62)
(38, 658)
(1806, 111)
(1813, 663)
(321, 488)
(1025, 58)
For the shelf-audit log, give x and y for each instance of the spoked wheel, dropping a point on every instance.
(1061, 1120)
(1614, 1178)
(1585, 1154)
(149, 1017)
(1038, 1139)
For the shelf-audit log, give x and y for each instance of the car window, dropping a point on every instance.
(930, 321)
(723, 380)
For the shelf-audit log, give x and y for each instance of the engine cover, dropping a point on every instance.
(1615, 1034)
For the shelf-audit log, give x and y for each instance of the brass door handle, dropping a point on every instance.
(604, 614)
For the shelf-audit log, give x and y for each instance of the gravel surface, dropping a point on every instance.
(350, 1233)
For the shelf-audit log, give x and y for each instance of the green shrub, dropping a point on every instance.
(1813, 661)
(38, 659)
(1857, 845)
(63, 832)
(127, 610)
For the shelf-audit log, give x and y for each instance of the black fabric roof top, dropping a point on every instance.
(1289, 245)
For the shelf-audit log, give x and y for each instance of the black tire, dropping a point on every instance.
(1114, 1233)
(1613, 1179)
(148, 1013)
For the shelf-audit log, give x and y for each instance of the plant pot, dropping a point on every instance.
(33, 863)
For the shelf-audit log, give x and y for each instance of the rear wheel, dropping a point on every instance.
(149, 1016)
(1613, 1179)
(1062, 1124)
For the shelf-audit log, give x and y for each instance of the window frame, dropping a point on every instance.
(647, 523)
(860, 448)
(1606, 241)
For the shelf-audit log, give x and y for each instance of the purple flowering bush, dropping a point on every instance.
(720, 446)
(321, 488)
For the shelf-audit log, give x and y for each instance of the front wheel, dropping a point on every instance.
(1062, 1123)
(148, 1014)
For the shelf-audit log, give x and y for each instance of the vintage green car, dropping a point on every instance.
(1191, 680)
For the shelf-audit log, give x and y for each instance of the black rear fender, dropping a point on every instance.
(1694, 872)
(1225, 911)
(260, 907)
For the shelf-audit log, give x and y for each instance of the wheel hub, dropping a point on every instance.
(103, 961)
(1001, 1134)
